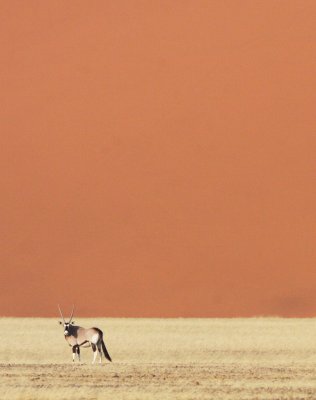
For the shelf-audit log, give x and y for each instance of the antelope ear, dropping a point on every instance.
(60, 323)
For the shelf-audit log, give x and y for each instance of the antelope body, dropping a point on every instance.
(77, 337)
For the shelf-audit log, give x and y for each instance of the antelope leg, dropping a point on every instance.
(73, 353)
(94, 348)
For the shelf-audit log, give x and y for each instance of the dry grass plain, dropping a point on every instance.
(257, 358)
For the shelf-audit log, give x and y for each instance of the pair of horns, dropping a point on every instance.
(72, 314)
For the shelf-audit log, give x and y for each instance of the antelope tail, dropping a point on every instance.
(107, 355)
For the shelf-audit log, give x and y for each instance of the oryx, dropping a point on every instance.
(76, 336)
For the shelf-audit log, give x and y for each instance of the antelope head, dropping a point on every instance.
(67, 325)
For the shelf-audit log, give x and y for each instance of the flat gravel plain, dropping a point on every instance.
(256, 358)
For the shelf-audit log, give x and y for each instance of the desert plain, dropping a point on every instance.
(253, 358)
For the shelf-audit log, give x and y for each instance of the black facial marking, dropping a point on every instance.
(70, 330)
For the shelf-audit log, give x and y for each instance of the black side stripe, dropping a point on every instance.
(86, 341)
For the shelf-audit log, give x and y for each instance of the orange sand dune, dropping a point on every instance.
(158, 158)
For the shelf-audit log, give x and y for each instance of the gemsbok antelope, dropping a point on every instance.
(77, 337)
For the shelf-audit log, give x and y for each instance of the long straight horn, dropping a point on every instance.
(61, 314)
(72, 313)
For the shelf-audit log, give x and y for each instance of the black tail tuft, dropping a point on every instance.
(107, 355)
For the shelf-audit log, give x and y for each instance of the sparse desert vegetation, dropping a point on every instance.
(257, 358)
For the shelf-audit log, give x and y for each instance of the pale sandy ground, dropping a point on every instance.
(258, 358)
